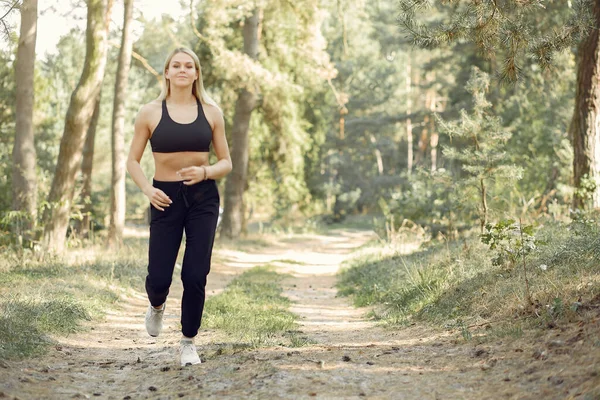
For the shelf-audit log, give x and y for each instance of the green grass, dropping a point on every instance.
(25, 322)
(41, 299)
(253, 310)
(54, 296)
(456, 284)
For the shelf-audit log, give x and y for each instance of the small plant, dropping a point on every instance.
(584, 194)
(583, 222)
(510, 239)
(557, 308)
(464, 331)
(512, 242)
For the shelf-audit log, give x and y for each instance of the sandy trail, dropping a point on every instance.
(348, 357)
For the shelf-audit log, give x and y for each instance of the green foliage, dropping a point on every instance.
(430, 199)
(323, 61)
(483, 139)
(586, 190)
(538, 113)
(512, 241)
(584, 222)
(364, 165)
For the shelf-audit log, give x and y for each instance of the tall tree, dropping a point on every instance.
(87, 165)
(77, 122)
(117, 188)
(245, 104)
(584, 129)
(24, 156)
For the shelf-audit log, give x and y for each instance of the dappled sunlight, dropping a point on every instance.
(136, 231)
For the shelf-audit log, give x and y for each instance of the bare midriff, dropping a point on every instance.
(167, 164)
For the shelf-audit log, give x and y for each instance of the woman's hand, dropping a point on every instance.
(192, 175)
(158, 198)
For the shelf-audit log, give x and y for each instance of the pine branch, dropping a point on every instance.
(498, 28)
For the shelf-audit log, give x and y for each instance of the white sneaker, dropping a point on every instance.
(154, 320)
(188, 353)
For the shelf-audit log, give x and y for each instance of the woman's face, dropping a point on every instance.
(181, 70)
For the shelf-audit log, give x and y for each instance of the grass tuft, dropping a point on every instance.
(25, 323)
(252, 309)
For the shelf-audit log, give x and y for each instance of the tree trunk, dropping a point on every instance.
(86, 172)
(117, 190)
(378, 156)
(409, 132)
(77, 122)
(484, 207)
(585, 125)
(24, 182)
(434, 137)
(236, 182)
(423, 141)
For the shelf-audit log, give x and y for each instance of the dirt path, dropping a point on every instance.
(348, 357)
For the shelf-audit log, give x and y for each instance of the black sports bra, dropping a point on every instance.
(170, 136)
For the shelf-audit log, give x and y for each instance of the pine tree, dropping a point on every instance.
(481, 139)
(514, 30)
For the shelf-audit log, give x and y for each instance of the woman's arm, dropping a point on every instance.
(140, 139)
(224, 165)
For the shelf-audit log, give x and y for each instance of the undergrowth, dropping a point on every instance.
(460, 284)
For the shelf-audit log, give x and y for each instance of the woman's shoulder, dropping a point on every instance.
(150, 109)
(152, 106)
(212, 110)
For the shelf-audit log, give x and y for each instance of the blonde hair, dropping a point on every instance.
(198, 87)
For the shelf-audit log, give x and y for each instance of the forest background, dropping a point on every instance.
(467, 124)
(348, 119)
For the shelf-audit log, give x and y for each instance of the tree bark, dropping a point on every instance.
(409, 132)
(24, 181)
(77, 122)
(117, 190)
(484, 206)
(86, 171)
(233, 213)
(378, 156)
(585, 125)
(434, 137)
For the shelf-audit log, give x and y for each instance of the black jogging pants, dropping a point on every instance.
(195, 210)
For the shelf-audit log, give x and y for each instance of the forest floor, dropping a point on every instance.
(348, 356)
